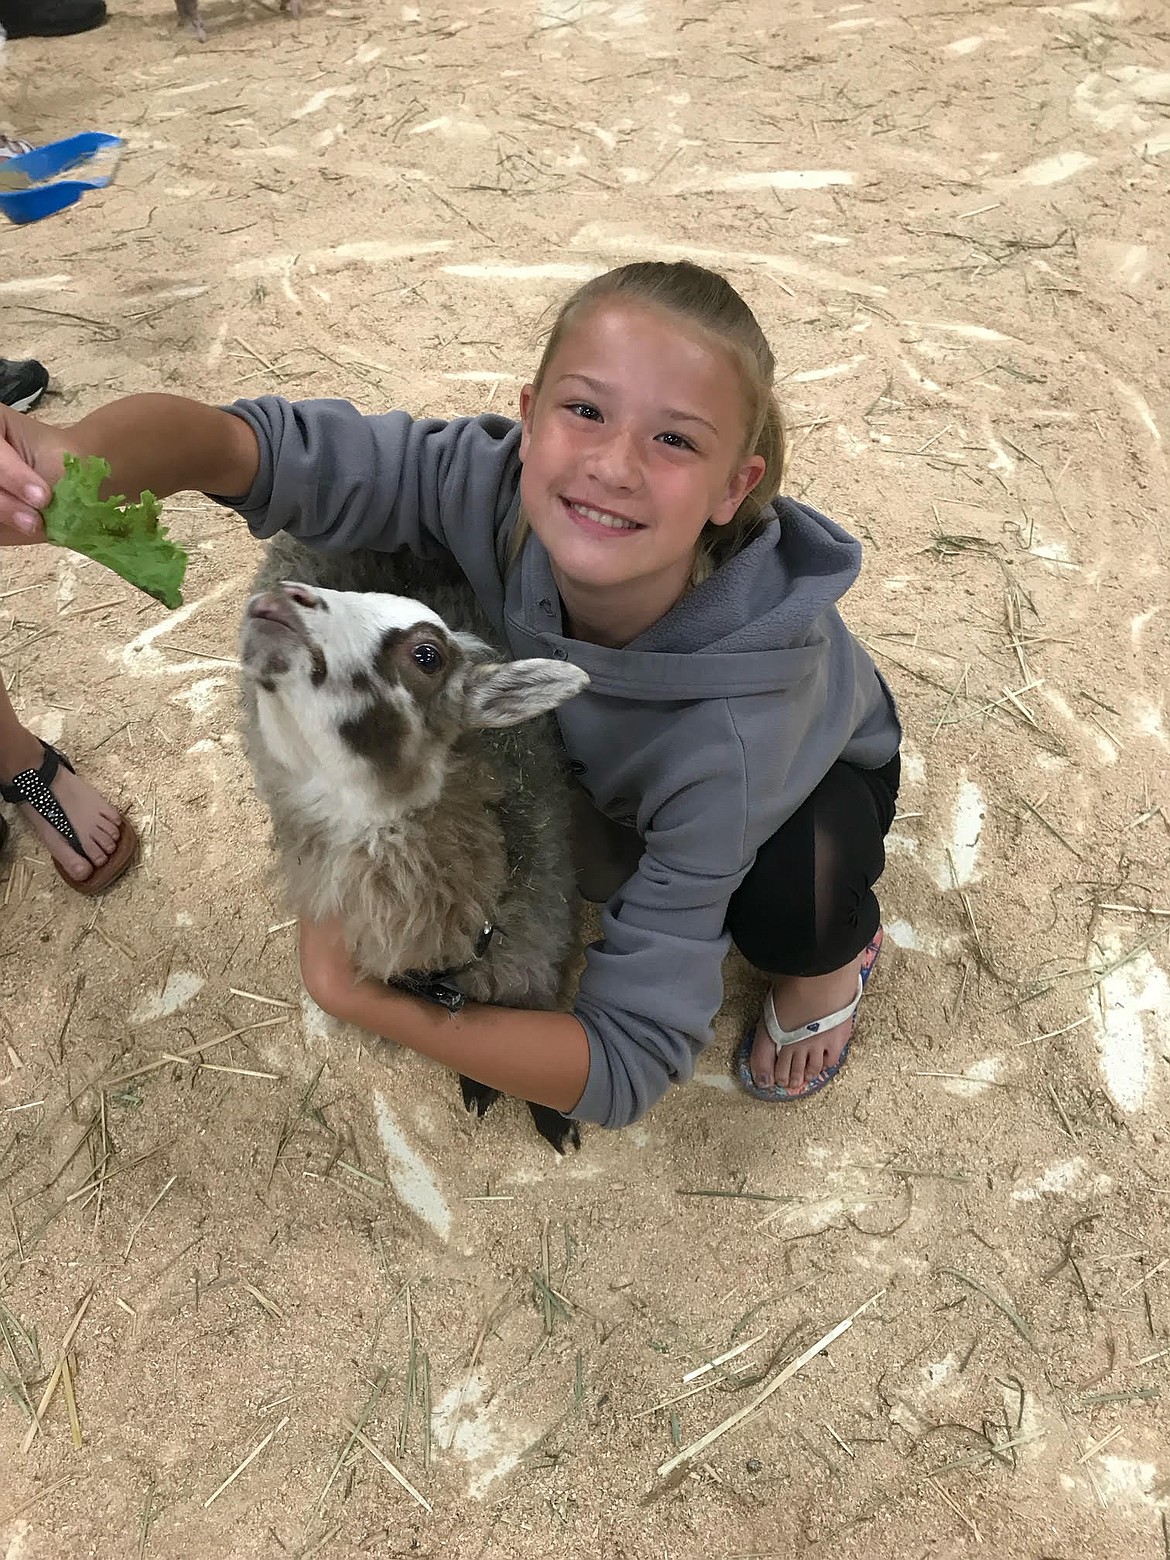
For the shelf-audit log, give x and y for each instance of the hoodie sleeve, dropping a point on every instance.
(338, 479)
(652, 986)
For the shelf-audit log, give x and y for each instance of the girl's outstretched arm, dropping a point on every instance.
(541, 1057)
(162, 442)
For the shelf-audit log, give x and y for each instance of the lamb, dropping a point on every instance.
(411, 790)
(189, 14)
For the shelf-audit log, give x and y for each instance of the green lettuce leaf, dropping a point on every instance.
(124, 537)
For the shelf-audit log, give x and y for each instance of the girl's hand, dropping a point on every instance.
(31, 461)
(326, 967)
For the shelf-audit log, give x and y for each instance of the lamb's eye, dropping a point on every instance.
(427, 656)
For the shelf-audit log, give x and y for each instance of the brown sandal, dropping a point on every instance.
(31, 788)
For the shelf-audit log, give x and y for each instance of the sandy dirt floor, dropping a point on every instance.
(952, 220)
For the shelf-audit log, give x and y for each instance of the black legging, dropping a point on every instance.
(807, 906)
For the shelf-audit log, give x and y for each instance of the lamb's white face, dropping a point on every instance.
(360, 693)
(344, 677)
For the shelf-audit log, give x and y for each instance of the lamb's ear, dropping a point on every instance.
(506, 693)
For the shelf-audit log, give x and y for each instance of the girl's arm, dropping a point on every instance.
(162, 442)
(542, 1057)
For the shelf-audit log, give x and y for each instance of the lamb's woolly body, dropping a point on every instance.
(482, 839)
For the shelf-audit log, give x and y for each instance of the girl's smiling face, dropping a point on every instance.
(633, 444)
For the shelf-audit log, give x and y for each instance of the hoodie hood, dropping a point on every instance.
(758, 624)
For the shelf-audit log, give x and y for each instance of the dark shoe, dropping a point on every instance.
(22, 383)
(50, 18)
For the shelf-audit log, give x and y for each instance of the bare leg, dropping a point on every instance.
(98, 825)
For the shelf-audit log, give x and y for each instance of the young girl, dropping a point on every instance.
(736, 748)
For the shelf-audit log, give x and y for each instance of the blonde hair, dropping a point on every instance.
(707, 300)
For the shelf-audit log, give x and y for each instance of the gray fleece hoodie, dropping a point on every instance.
(705, 733)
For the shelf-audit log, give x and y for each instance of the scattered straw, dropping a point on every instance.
(247, 1462)
(701, 1370)
(1091, 1451)
(379, 1457)
(254, 996)
(51, 1386)
(1003, 1306)
(761, 1397)
(134, 1232)
(71, 1402)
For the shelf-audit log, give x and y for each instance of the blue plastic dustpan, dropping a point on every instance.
(46, 167)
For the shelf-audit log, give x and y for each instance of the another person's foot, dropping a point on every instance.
(50, 18)
(22, 383)
(97, 825)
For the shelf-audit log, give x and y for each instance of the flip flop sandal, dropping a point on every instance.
(782, 1037)
(31, 788)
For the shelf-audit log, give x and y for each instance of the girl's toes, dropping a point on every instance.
(761, 1063)
(77, 869)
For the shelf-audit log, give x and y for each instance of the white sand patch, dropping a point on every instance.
(1068, 1178)
(913, 766)
(899, 844)
(1106, 749)
(1051, 170)
(1130, 1020)
(1128, 1478)
(965, 45)
(609, 240)
(552, 271)
(482, 376)
(961, 328)
(1138, 403)
(1113, 99)
(141, 659)
(180, 988)
(482, 1437)
(938, 1372)
(722, 1081)
(317, 1025)
(976, 1079)
(828, 238)
(367, 54)
(602, 18)
(319, 99)
(449, 125)
(412, 1179)
(1148, 718)
(1000, 459)
(35, 284)
(908, 937)
(201, 695)
(15, 1540)
(1156, 145)
(956, 865)
(1138, 623)
(776, 179)
(367, 252)
(809, 376)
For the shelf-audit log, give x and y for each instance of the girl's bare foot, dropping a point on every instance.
(97, 824)
(801, 1000)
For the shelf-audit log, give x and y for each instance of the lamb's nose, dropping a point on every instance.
(301, 594)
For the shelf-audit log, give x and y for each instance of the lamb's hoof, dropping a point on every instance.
(477, 1097)
(556, 1129)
